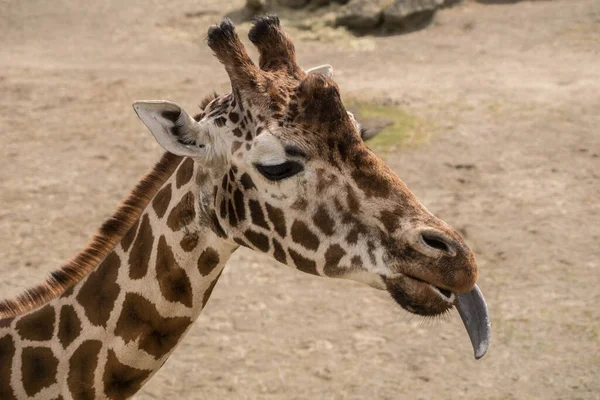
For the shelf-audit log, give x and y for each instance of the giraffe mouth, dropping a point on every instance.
(445, 294)
(415, 295)
(418, 296)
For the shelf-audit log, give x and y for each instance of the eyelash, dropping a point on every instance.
(281, 171)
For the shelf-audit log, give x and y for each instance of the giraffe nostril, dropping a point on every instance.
(435, 243)
(438, 241)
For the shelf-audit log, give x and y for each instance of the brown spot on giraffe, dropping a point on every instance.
(302, 263)
(390, 219)
(279, 252)
(5, 323)
(233, 221)
(234, 117)
(356, 261)
(189, 242)
(100, 291)
(333, 255)
(300, 204)
(247, 182)
(7, 352)
(224, 182)
(141, 250)
(162, 200)
(183, 213)
(302, 235)
(208, 261)
(257, 215)
(38, 325)
(127, 240)
(156, 335)
(184, 172)
(121, 381)
(240, 207)
(38, 369)
(353, 235)
(69, 325)
(277, 217)
(173, 281)
(259, 240)
(223, 208)
(82, 365)
(323, 220)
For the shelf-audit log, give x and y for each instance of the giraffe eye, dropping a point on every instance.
(281, 171)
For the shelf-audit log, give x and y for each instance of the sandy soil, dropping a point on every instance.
(512, 93)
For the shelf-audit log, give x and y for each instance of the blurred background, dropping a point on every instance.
(488, 110)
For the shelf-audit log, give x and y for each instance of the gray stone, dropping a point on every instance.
(361, 15)
(404, 8)
(257, 5)
(451, 3)
(407, 15)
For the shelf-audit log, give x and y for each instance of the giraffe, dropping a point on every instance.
(277, 166)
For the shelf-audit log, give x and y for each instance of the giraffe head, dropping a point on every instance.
(287, 174)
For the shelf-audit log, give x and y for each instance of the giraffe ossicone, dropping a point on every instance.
(278, 166)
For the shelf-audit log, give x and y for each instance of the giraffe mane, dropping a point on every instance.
(103, 242)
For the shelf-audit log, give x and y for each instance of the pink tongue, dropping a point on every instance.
(473, 311)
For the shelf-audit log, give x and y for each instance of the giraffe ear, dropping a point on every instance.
(324, 69)
(173, 128)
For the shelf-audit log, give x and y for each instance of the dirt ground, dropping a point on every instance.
(512, 95)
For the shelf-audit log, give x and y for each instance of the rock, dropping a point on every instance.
(257, 5)
(408, 15)
(361, 15)
(451, 3)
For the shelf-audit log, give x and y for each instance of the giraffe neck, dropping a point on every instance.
(109, 333)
